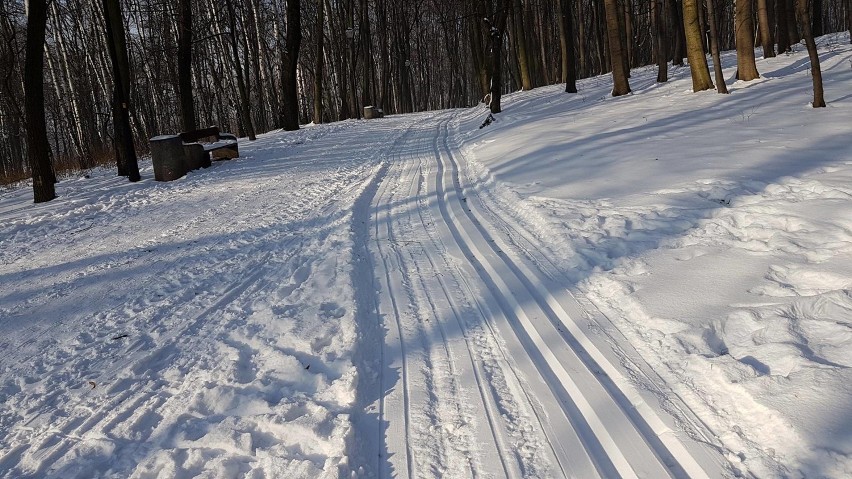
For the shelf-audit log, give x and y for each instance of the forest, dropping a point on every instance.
(87, 83)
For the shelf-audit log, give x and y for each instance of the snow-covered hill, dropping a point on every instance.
(653, 284)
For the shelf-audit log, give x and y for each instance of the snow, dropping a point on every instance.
(644, 286)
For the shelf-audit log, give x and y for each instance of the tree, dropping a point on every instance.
(816, 73)
(616, 55)
(125, 152)
(497, 26)
(184, 64)
(781, 13)
(744, 33)
(521, 44)
(291, 62)
(695, 47)
(320, 61)
(714, 48)
(38, 148)
(244, 101)
(849, 18)
(659, 40)
(566, 42)
(766, 40)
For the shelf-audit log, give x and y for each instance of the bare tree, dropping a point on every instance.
(319, 61)
(744, 31)
(290, 65)
(816, 72)
(125, 151)
(497, 27)
(616, 55)
(714, 48)
(184, 65)
(566, 41)
(766, 40)
(695, 47)
(38, 148)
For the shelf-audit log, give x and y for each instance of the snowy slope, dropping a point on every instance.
(715, 232)
(645, 286)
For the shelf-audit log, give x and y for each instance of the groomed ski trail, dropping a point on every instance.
(485, 368)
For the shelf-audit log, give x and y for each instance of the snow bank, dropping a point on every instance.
(714, 231)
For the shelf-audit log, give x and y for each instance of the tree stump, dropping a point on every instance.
(168, 156)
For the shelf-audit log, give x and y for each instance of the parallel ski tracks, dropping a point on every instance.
(456, 299)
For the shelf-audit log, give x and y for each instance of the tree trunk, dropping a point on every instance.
(291, 64)
(38, 148)
(601, 37)
(616, 55)
(792, 29)
(521, 44)
(781, 13)
(714, 48)
(184, 65)
(478, 51)
(497, 28)
(817, 30)
(695, 47)
(244, 99)
(849, 18)
(744, 32)
(566, 41)
(320, 35)
(816, 72)
(765, 29)
(125, 151)
(659, 41)
(676, 35)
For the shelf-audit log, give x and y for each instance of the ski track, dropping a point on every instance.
(497, 376)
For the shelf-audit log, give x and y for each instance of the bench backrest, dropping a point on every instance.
(195, 135)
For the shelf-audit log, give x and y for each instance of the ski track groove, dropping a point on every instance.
(415, 274)
(592, 426)
(668, 450)
(612, 342)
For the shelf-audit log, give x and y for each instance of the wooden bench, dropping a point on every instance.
(174, 155)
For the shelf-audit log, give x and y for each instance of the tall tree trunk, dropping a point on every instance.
(291, 64)
(849, 18)
(702, 25)
(714, 48)
(793, 35)
(566, 41)
(320, 61)
(765, 29)
(480, 64)
(816, 72)
(125, 150)
(38, 147)
(601, 36)
(744, 32)
(497, 28)
(244, 100)
(521, 44)
(368, 93)
(581, 39)
(781, 12)
(619, 76)
(184, 65)
(659, 41)
(695, 47)
(817, 30)
(676, 35)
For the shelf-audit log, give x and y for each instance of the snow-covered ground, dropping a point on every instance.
(645, 286)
